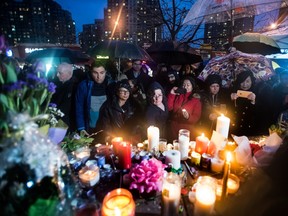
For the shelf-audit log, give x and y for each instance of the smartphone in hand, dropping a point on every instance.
(180, 90)
(243, 94)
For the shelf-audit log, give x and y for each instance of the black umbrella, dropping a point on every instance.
(173, 53)
(256, 43)
(59, 55)
(118, 50)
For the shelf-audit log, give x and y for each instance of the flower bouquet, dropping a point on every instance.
(146, 177)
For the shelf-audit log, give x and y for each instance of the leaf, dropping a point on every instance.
(4, 100)
(11, 73)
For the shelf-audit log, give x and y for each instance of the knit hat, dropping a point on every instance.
(213, 78)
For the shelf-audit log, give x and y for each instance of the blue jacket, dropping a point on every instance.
(83, 102)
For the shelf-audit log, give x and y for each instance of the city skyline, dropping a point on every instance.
(84, 11)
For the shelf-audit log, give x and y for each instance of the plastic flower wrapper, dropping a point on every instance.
(147, 176)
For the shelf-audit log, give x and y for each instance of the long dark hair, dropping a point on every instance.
(241, 77)
(151, 93)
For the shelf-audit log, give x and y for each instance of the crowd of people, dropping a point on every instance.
(98, 103)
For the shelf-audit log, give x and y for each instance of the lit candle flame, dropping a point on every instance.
(228, 157)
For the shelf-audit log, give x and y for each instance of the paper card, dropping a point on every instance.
(218, 139)
(273, 140)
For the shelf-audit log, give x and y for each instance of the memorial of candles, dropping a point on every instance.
(153, 135)
(118, 202)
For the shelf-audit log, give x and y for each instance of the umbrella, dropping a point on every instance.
(59, 55)
(229, 66)
(118, 50)
(256, 43)
(213, 11)
(173, 53)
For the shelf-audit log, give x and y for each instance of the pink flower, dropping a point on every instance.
(147, 176)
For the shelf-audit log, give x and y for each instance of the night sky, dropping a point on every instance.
(84, 11)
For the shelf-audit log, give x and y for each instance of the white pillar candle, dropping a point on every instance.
(217, 165)
(153, 138)
(172, 157)
(184, 139)
(222, 125)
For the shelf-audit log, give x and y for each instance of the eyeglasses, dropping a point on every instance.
(124, 92)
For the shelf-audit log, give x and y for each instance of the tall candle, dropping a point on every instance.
(171, 194)
(201, 144)
(222, 125)
(153, 138)
(184, 139)
(115, 143)
(226, 175)
(124, 155)
(118, 202)
(172, 157)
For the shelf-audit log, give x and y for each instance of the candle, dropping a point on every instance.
(226, 174)
(124, 155)
(153, 138)
(118, 202)
(162, 145)
(140, 146)
(172, 157)
(89, 176)
(201, 144)
(233, 184)
(205, 162)
(217, 165)
(82, 153)
(195, 158)
(205, 196)
(222, 125)
(115, 143)
(171, 194)
(184, 139)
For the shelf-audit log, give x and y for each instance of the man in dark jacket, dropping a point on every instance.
(91, 94)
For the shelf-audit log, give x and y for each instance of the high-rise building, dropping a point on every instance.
(220, 34)
(36, 21)
(133, 21)
(91, 34)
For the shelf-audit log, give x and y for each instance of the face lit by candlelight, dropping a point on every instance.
(246, 84)
(187, 85)
(158, 97)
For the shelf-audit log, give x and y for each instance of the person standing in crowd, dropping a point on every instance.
(91, 94)
(157, 109)
(143, 80)
(251, 110)
(185, 108)
(64, 97)
(280, 94)
(120, 116)
(213, 103)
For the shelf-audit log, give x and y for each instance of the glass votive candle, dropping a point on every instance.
(89, 176)
(82, 153)
(118, 202)
(162, 144)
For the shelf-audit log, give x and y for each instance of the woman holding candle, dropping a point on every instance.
(185, 108)
(121, 115)
(157, 110)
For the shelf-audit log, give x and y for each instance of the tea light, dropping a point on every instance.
(233, 184)
(195, 158)
(222, 125)
(201, 144)
(82, 153)
(153, 138)
(217, 165)
(89, 176)
(115, 143)
(118, 202)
